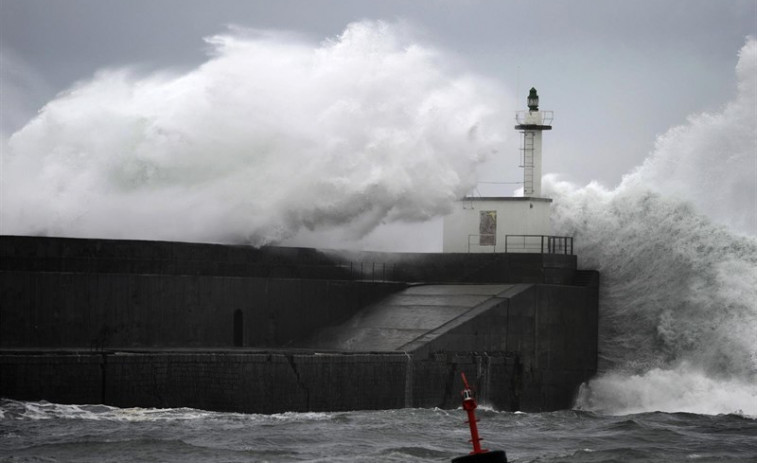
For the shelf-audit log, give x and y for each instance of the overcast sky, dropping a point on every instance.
(616, 73)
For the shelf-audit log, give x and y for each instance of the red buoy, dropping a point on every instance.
(478, 455)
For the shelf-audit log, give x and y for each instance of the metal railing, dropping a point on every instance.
(539, 244)
(530, 117)
(373, 271)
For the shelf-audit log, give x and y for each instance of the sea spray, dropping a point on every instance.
(270, 136)
(711, 161)
(678, 302)
(682, 388)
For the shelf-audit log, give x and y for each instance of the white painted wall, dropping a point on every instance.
(515, 216)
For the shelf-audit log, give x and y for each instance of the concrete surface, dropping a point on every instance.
(399, 319)
(154, 324)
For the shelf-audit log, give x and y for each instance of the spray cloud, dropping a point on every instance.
(270, 136)
(675, 245)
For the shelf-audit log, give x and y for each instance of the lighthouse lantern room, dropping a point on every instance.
(509, 224)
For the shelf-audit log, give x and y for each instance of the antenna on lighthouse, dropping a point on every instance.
(531, 123)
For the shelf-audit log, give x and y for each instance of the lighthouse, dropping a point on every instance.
(480, 224)
(531, 124)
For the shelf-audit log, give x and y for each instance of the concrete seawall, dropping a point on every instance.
(234, 328)
(271, 382)
(98, 310)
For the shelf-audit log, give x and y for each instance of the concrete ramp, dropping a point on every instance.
(408, 320)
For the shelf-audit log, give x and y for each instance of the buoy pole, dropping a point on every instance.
(478, 455)
(469, 405)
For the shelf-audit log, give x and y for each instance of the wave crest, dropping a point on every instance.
(676, 249)
(270, 136)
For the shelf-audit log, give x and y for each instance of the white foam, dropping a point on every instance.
(681, 389)
(270, 136)
(678, 301)
(49, 411)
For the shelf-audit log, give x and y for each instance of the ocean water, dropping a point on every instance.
(45, 432)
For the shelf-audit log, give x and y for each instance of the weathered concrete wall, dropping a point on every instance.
(462, 267)
(413, 318)
(261, 382)
(99, 298)
(65, 378)
(548, 334)
(59, 309)
(61, 292)
(97, 256)
(43, 254)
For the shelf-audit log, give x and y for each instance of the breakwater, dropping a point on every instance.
(132, 323)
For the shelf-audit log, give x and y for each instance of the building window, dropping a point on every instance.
(487, 228)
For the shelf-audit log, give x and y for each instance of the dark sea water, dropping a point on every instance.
(45, 432)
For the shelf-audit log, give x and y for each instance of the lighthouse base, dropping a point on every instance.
(495, 456)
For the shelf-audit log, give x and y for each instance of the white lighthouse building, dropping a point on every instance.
(510, 224)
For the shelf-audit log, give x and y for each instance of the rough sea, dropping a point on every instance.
(45, 432)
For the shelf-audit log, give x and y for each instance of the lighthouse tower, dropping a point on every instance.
(514, 223)
(531, 123)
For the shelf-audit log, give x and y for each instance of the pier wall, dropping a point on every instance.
(271, 382)
(149, 324)
(98, 310)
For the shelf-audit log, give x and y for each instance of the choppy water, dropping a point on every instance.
(44, 432)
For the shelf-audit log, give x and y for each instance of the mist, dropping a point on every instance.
(676, 249)
(271, 136)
